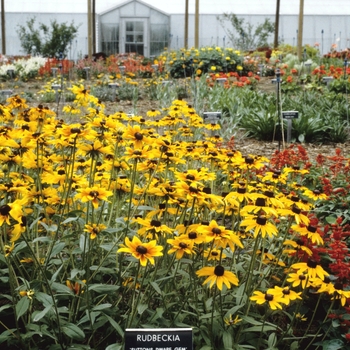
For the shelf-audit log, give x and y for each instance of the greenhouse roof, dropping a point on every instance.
(260, 7)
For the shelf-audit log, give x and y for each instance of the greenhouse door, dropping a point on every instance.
(135, 36)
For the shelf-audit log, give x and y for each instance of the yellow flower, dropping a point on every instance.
(180, 246)
(311, 268)
(273, 299)
(213, 68)
(94, 229)
(93, 194)
(142, 251)
(231, 322)
(259, 224)
(219, 276)
(27, 293)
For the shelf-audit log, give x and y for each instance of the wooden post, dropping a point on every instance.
(277, 21)
(3, 28)
(93, 26)
(300, 29)
(89, 29)
(186, 25)
(196, 25)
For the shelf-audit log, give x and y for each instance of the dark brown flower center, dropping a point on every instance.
(183, 245)
(268, 297)
(93, 194)
(5, 210)
(311, 229)
(219, 271)
(141, 249)
(338, 286)
(192, 235)
(286, 291)
(269, 194)
(138, 136)
(193, 189)
(216, 231)
(241, 190)
(156, 223)
(261, 220)
(249, 160)
(296, 210)
(311, 263)
(190, 177)
(260, 202)
(75, 131)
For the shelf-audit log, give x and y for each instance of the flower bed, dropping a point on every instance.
(123, 221)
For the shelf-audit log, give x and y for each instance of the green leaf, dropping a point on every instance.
(102, 307)
(227, 339)
(54, 276)
(141, 308)
(69, 220)
(58, 247)
(44, 298)
(39, 315)
(8, 334)
(115, 325)
(271, 342)
(114, 347)
(84, 243)
(61, 288)
(156, 288)
(103, 288)
(251, 320)
(331, 220)
(333, 344)
(259, 329)
(73, 331)
(4, 307)
(22, 306)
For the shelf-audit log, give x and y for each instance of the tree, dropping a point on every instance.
(244, 36)
(48, 41)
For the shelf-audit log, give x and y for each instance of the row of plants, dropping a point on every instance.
(124, 221)
(177, 63)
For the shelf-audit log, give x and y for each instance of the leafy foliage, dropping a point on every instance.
(244, 35)
(48, 41)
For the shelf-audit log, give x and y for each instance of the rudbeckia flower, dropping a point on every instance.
(94, 229)
(136, 136)
(214, 254)
(150, 227)
(13, 210)
(93, 194)
(141, 250)
(219, 234)
(180, 246)
(271, 297)
(153, 113)
(311, 268)
(219, 276)
(259, 224)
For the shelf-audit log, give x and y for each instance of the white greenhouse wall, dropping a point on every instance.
(336, 28)
(13, 20)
